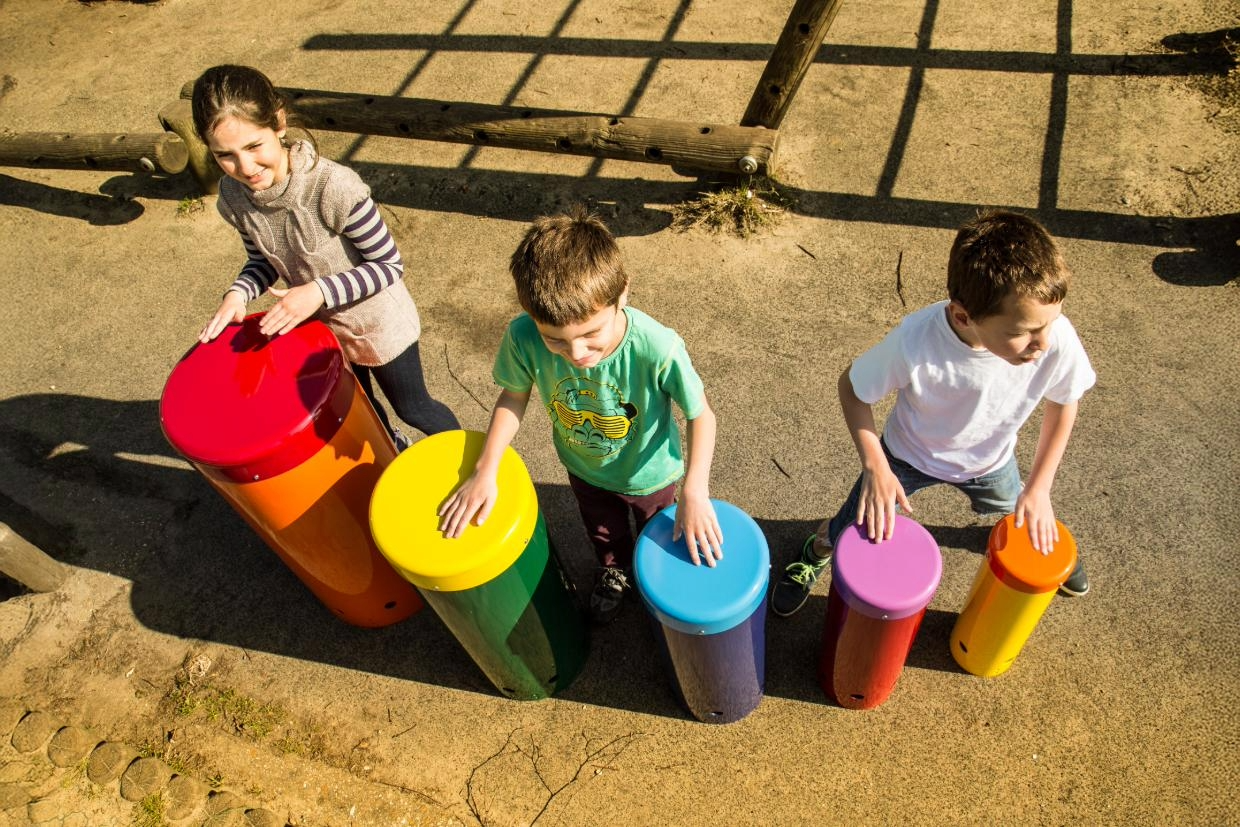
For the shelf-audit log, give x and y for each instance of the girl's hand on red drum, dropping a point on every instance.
(232, 309)
(295, 305)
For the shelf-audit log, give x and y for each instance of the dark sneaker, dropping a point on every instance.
(402, 441)
(793, 589)
(607, 596)
(1077, 584)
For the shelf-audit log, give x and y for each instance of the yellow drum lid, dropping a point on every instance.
(404, 516)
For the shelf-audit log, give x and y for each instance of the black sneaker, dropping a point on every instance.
(793, 589)
(402, 441)
(607, 596)
(1077, 584)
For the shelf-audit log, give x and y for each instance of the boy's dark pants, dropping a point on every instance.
(606, 515)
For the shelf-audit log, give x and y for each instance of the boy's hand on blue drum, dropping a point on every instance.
(697, 523)
(472, 502)
(295, 305)
(1034, 507)
(232, 309)
(881, 493)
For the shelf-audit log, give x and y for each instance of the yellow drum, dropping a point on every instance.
(1010, 593)
(499, 587)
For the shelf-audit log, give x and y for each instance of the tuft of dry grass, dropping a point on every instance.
(755, 204)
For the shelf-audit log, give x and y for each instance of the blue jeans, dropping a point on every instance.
(991, 494)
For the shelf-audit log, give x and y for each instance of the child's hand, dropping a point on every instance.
(1033, 506)
(295, 305)
(880, 493)
(473, 501)
(232, 309)
(696, 521)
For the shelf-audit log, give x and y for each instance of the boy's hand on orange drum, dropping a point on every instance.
(697, 523)
(295, 305)
(472, 502)
(1034, 507)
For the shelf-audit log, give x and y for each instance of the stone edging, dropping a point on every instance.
(187, 800)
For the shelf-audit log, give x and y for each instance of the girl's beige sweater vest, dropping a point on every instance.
(297, 226)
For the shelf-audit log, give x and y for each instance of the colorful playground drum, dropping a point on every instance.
(1013, 587)
(710, 622)
(499, 587)
(879, 594)
(281, 429)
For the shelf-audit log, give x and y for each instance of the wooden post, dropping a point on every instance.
(125, 153)
(697, 146)
(794, 53)
(28, 564)
(178, 117)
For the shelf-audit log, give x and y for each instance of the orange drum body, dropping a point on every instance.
(281, 428)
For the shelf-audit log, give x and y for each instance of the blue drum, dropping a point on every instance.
(710, 622)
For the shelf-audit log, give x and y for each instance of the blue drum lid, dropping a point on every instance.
(700, 600)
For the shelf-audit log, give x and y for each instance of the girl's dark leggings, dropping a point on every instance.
(405, 388)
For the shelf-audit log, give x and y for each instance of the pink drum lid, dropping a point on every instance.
(246, 400)
(889, 580)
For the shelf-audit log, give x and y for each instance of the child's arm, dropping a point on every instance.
(380, 269)
(476, 496)
(880, 490)
(255, 278)
(232, 309)
(695, 516)
(1033, 506)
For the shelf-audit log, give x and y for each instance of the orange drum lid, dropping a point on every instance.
(1015, 560)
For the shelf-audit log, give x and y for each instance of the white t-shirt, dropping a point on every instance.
(958, 410)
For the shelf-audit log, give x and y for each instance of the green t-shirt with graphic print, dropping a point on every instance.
(612, 424)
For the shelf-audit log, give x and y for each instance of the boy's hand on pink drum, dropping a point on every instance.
(881, 492)
(295, 305)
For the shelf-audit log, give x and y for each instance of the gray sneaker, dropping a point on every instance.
(608, 595)
(793, 589)
(1077, 584)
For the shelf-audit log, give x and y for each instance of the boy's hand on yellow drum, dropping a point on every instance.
(472, 502)
(295, 305)
(697, 523)
(232, 309)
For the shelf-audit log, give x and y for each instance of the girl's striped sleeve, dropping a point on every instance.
(382, 266)
(257, 274)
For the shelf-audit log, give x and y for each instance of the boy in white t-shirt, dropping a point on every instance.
(967, 374)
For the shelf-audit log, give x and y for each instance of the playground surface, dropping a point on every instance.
(182, 636)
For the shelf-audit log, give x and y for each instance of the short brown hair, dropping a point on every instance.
(1001, 253)
(567, 268)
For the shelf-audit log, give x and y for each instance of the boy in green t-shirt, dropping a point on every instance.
(608, 375)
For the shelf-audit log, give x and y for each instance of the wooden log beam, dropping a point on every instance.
(178, 117)
(681, 144)
(794, 53)
(119, 152)
(28, 564)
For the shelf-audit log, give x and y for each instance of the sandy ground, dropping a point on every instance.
(181, 635)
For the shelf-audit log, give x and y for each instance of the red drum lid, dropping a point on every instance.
(254, 406)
